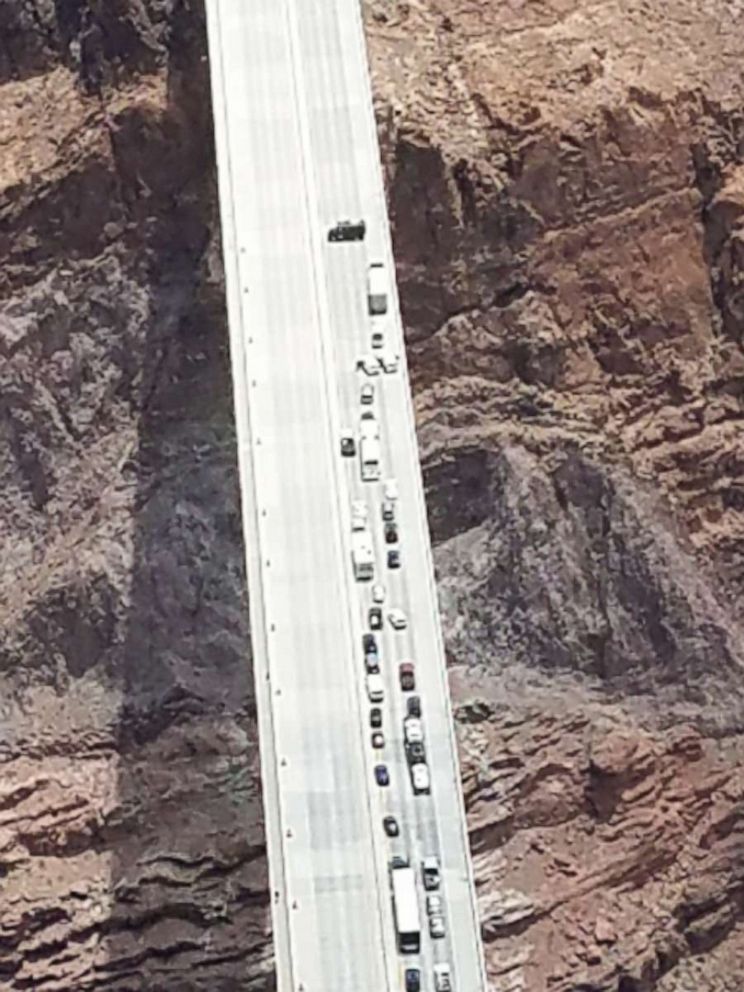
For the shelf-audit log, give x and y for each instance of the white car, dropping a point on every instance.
(367, 393)
(430, 871)
(389, 361)
(436, 926)
(391, 489)
(377, 339)
(442, 977)
(420, 778)
(378, 593)
(358, 514)
(368, 364)
(388, 510)
(375, 688)
(398, 619)
(434, 905)
(413, 730)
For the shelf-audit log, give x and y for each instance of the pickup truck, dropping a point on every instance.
(347, 230)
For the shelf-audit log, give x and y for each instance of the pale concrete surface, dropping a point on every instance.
(297, 151)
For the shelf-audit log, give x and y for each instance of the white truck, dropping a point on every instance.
(358, 515)
(377, 288)
(369, 427)
(369, 459)
(362, 555)
(405, 905)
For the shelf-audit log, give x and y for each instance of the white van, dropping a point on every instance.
(375, 688)
(377, 288)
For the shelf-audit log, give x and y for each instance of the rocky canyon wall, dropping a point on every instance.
(131, 840)
(565, 181)
(566, 190)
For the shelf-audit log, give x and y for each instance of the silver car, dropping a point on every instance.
(442, 977)
(398, 619)
(378, 593)
(433, 905)
(436, 926)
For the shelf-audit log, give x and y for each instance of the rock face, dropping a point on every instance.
(566, 183)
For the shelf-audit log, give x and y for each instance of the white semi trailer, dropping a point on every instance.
(406, 909)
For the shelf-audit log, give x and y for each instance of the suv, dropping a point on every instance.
(346, 230)
(430, 872)
(391, 532)
(393, 558)
(381, 775)
(413, 980)
(407, 675)
(413, 706)
(348, 445)
(416, 753)
(369, 644)
(375, 717)
(413, 730)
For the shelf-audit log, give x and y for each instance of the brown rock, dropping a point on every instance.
(604, 932)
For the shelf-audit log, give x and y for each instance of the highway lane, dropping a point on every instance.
(463, 920)
(322, 834)
(239, 341)
(324, 74)
(329, 31)
(346, 271)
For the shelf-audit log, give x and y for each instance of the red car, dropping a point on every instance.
(407, 676)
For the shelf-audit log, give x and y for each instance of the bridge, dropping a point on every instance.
(297, 152)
